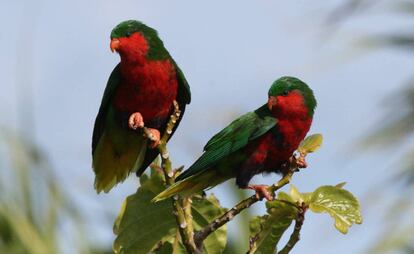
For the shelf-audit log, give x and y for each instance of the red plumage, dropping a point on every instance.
(259, 141)
(148, 87)
(140, 92)
(269, 152)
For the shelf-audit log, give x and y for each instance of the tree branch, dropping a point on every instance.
(295, 236)
(201, 235)
(181, 208)
(189, 230)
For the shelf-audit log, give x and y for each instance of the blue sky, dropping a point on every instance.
(230, 51)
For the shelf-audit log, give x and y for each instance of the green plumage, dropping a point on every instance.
(282, 123)
(116, 150)
(156, 51)
(231, 139)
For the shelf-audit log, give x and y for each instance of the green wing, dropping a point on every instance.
(184, 93)
(232, 138)
(116, 152)
(110, 88)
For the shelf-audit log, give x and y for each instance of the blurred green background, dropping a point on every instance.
(357, 56)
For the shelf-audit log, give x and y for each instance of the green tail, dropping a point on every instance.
(192, 185)
(115, 157)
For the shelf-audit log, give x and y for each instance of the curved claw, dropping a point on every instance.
(136, 121)
(261, 191)
(155, 136)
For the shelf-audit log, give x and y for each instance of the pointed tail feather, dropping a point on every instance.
(112, 167)
(192, 185)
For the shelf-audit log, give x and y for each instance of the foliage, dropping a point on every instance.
(146, 227)
(143, 226)
(267, 230)
(340, 204)
(32, 204)
(311, 144)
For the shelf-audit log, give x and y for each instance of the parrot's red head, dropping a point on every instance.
(136, 42)
(291, 96)
(133, 46)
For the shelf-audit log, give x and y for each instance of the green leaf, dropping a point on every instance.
(285, 197)
(155, 182)
(135, 228)
(166, 248)
(142, 224)
(340, 185)
(266, 231)
(204, 210)
(340, 204)
(311, 144)
(295, 196)
(171, 248)
(118, 219)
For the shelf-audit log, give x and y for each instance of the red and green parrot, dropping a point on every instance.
(261, 141)
(140, 92)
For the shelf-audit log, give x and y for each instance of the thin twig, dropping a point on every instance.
(201, 235)
(295, 236)
(180, 207)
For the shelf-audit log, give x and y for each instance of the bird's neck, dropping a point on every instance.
(293, 117)
(291, 107)
(132, 59)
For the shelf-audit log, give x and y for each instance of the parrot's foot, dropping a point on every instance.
(153, 135)
(261, 191)
(301, 162)
(296, 162)
(136, 121)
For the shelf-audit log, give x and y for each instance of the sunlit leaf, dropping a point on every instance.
(295, 196)
(340, 185)
(340, 204)
(311, 144)
(285, 197)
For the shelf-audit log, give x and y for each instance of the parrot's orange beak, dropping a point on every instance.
(271, 102)
(114, 44)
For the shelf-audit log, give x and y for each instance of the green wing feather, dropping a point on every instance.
(232, 138)
(100, 120)
(115, 152)
(184, 93)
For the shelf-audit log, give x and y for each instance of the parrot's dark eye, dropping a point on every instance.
(285, 93)
(128, 34)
